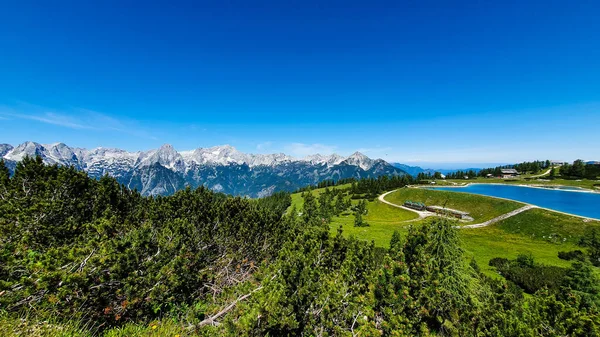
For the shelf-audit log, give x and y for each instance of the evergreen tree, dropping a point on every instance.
(310, 210)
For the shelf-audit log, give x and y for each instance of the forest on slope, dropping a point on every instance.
(95, 258)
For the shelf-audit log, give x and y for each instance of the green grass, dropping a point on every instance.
(539, 232)
(26, 327)
(383, 220)
(299, 202)
(487, 243)
(539, 224)
(481, 208)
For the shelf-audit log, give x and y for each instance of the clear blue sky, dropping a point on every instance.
(415, 82)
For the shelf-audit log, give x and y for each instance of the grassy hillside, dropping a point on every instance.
(299, 202)
(383, 220)
(480, 208)
(538, 232)
(539, 224)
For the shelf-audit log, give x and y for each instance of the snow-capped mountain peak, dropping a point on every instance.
(165, 156)
(269, 159)
(222, 168)
(360, 160)
(216, 155)
(27, 149)
(61, 153)
(329, 160)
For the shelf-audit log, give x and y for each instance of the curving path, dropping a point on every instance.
(422, 214)
(425, 214)
(499, 218)
(545, 173)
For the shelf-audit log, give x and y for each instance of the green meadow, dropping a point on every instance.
(299, 202)
(539, 232)
(479, 207)
(383, 220)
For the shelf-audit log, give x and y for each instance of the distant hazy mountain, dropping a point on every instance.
(221, 168)
(412, 170)
(415, 170)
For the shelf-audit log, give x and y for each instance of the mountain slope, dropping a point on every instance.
(163, 171)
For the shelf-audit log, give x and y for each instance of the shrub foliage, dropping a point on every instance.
(92, 251)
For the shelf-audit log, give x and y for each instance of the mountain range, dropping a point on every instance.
(163, 171)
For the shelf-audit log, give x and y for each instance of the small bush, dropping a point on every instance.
(528, 275)
(572, 255)
(499, 262)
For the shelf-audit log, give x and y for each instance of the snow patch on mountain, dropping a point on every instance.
(330, 160)
(360, 160)
(165, 156)
(4, 149)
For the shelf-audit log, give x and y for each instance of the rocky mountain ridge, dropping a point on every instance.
(164, 170)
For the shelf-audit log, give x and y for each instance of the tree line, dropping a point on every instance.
(576, 170)
(579, 169)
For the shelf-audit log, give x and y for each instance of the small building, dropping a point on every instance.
(489, 175)
(593, 162)
(509, 173)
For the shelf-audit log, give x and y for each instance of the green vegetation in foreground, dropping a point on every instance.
(32, 327)
(481, 208)
(84, 257)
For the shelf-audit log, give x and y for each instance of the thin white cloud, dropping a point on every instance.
(48, 118)
(74, 118)
(302, 150)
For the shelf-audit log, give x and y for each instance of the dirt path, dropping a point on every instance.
(425, 214)
(499, 218)
(544, 174)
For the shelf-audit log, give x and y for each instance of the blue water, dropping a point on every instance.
(578, 203)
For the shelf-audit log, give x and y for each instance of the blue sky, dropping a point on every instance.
(417, 82)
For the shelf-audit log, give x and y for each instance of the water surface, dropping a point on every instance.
(563, 200)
